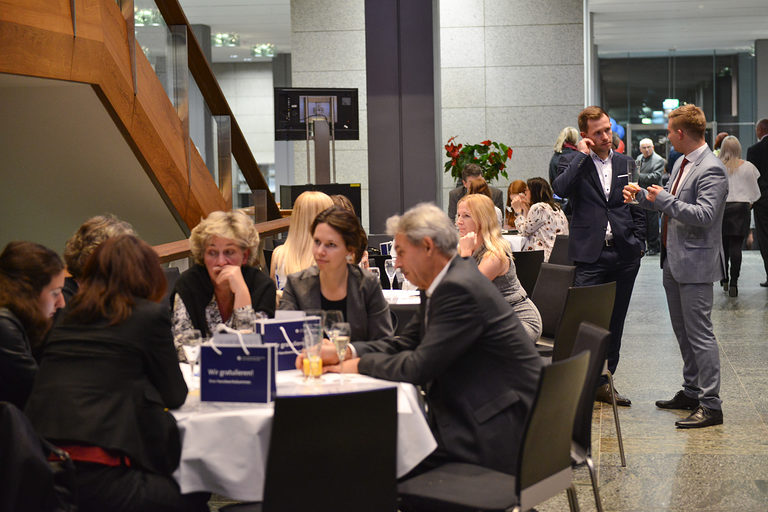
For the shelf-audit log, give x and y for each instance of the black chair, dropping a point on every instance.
(267, 260)
(172, 275)
(588, 304)
(549, 295)
(527, 265)
(559, 254)
(331, 453)
(593, 339)
(544, 466)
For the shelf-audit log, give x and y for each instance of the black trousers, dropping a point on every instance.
(732, 249)
(122, 489)
(652, 230)
(761, 230)
(611, 267)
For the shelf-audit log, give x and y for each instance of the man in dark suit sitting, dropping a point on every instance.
(471, 171)
(758, 155)
(607, 237)
(466, 348)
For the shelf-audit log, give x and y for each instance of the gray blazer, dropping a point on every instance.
(367, 310)
(694, 230)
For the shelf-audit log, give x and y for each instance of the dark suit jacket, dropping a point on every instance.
(580, 183)
(758, 155)
(475, 361)
(459, 192)
(367, 310)
(17, 365)
(109, 386)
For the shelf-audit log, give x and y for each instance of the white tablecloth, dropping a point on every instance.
(516, 241)
(402, 296)
(224, 445)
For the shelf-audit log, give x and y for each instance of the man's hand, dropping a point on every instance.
(585, 145)
(348, 366)
(653, 192)
(629, 192)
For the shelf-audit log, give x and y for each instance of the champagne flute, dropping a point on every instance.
(340, 335)
(332, 317)
(191, 341)
(389, 268)
(631, 178)
(376, 272)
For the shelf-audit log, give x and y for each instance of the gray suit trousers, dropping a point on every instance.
(690, 309)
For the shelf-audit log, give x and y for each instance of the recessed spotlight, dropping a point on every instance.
(223, 39)
(234, 56)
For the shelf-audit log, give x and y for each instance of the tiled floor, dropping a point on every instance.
(712, 469)
(722, 468)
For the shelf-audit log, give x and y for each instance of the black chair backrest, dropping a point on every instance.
(546, 443)
(550, 294)
(267, 260)
(593, 339)
(559, 254)
(333, 453)
(527, 265)
(172, 275)
(584, 304)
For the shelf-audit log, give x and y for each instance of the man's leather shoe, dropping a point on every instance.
(652, 252)
(764, 285)
(733, 291)
(679, 401)
(702, 417)
(603, 394)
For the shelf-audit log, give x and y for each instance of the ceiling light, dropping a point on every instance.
(225, 39)
(234, 56)
(146, 17)
(263, 50)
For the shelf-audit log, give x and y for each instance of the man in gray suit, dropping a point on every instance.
(471, 171)
(466, 348)
(650, 167)
(692, 259)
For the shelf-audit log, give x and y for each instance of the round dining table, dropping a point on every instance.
(224, 445)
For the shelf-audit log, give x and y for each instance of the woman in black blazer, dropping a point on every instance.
(336, 282)
(107, 378)
(31, 278)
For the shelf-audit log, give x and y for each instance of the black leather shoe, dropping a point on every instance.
(679, 401)
(702, 417)
(724, 284)
(733, 291)
(652, 252)
(603, 394)
(764, 285)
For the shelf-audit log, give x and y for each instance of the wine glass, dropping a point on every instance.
(340, 334)
(332, 316)
(389, 268)
(190, 340)
(376, 272)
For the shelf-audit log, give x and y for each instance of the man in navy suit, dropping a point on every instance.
(607, 236)
(758, 155)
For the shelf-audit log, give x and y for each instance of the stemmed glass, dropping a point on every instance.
(389, 268)
(340, 334)
(375, 271)
(631, 178)
(332, 317)
(190, 340)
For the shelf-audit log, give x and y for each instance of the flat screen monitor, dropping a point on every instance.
(290, 117)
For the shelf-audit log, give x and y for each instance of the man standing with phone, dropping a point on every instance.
(607, 236)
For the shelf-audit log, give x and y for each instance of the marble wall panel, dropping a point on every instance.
(462, 47)
(326, 15)
(462, 13)
(534, 85)
(328, 51)
(530, 126)
(462, 87)
(532, 12)
(534, 45)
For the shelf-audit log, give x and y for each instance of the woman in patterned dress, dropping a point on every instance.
(538, 217)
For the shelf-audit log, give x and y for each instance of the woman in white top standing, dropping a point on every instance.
(742, 192)
(538, 217)
(296, 253)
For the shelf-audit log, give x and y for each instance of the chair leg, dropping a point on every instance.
(573, 500)
(618, 424)
(593, 477)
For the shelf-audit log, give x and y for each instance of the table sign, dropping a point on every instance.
(274, 330)
(237, 368)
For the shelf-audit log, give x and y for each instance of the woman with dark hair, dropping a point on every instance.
(31, 278)
(335, 282)
(107, 378)
(539, 217)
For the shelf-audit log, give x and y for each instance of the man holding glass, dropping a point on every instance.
(466, 348)
(607, 236)
(692, 259)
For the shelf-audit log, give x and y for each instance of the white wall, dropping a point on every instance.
(513, 72)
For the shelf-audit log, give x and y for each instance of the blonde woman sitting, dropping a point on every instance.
(296, 253)
(481, 238)
(223, 286)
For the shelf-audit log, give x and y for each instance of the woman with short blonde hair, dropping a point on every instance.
(223, 286)
(743, 190)
(296, 253)
(481, 239)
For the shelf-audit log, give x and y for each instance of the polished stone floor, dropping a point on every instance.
(712, 469)
(721, 468)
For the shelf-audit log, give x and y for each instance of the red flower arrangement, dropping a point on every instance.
(490, 156)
